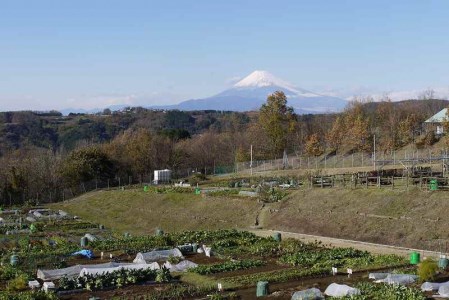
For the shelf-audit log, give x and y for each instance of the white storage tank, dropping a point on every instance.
(162, 176)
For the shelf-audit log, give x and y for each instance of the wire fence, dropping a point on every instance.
(369, 161)
(60, 191)
(403, 158)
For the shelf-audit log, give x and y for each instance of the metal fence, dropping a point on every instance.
(403, 158)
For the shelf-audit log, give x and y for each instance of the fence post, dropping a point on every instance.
(407, 180)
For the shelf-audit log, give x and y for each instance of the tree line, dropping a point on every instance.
(52, 154)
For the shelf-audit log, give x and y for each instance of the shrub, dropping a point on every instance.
(268, 194)
(163, 275)
(174, 259)
(17, 284)
(427, 269)
(8, 272)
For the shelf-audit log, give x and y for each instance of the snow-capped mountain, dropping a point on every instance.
(252, 91)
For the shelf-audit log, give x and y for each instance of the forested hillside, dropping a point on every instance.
(44, 153)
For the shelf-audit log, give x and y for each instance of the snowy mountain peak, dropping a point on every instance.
(252, 91)
(262, 79)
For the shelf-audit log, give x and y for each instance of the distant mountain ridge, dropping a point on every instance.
(252, 91)
(248, 95)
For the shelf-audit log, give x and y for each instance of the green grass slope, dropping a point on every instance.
(405, 218)
(141, 212)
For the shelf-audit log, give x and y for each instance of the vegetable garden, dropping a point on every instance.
(239, 260)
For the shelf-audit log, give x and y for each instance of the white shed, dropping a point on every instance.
(162, 176)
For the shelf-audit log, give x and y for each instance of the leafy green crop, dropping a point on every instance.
(275, 276)
(117, 279)
(227, 266)
(371, 291)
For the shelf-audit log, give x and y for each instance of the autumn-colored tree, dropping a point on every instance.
(407, 129)
(387, 122)
(358, 134)
(445, 122)
(278, 121)
(242, 155)
(335, 136)
(139, 152)
(208, 150)
(313, 145)
(86, 164)
(255, 135)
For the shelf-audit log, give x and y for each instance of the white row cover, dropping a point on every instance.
(74, 271)
(207, 250)
(183, 266)
(432, 286)
(399, 279)
(156, 255)
(90, 237)
(100, 271)
(48, 213)
(443, 290)
(377, 276)
(309, 294)
(341, 290)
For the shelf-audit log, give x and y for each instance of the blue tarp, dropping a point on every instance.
(87, 253)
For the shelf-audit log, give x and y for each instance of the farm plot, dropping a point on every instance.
(235, 260)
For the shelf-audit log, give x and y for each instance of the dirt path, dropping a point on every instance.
(371, 247)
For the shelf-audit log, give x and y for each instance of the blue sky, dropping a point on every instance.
(59, 54)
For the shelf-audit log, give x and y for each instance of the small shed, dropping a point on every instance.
(436, 122)
(162, 176)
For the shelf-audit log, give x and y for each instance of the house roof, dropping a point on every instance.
(439, 117)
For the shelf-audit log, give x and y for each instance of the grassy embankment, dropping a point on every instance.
(405, 218)
(140, 212)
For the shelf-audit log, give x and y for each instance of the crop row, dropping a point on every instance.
(371, 291)
(177, 291)
(117, 279)
(275, 276)
(31, 295)
(310, 258)
(227, 266)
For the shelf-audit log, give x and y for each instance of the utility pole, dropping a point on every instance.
(374, 160)
(251, 163)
